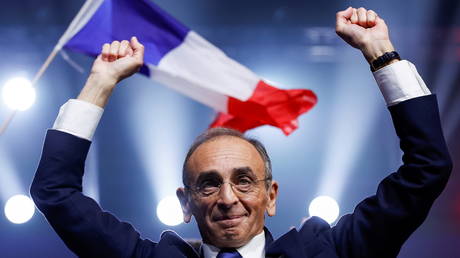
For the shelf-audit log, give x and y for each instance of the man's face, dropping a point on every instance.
(228, 218)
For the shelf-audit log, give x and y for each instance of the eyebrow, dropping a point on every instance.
(235, 172)
(244, 171)
(208, 174)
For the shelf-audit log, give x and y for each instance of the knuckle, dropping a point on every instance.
(114, 45)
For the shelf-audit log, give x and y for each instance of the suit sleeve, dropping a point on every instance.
(381, 223)
(57, 191)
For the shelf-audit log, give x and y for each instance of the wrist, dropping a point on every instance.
(384, 60)
(376, 49)
(97, 90)
(102, 80)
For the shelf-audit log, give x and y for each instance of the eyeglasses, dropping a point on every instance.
(243, 185)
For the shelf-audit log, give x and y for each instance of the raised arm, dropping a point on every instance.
(381, 223)
(116, 62)
(57, 187)
(365, 30)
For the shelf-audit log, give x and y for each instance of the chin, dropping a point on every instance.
(232, 233)
(232, 237)
(225, 237)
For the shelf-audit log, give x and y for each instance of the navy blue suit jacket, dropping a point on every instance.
(378, 226)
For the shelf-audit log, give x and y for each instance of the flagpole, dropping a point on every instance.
(37, 76)
(88, 8)
(7, 121)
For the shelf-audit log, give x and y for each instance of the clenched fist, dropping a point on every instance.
(365, 30)
(117, 61)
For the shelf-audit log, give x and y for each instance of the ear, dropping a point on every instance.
(185, 204)
(272, 195)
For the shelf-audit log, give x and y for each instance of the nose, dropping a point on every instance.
(227, 196)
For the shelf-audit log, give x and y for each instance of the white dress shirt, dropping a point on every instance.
(398, 82)
(254, 248)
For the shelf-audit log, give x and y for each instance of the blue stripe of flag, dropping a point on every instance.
(122, 19)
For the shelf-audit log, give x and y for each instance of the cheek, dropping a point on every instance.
(201, 209)
(255, 204)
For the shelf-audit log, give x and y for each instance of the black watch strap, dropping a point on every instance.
(384, 60)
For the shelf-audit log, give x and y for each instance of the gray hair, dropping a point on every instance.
(221, 131)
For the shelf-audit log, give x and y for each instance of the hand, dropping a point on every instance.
(119, 60)
(116, 62)
(365, 30)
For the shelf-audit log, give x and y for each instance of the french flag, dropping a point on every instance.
(179, 58)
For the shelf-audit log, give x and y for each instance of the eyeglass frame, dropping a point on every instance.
(195, 189)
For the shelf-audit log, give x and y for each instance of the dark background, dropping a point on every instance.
(343, 148)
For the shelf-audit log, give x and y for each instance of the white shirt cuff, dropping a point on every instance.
(78, 118)
(400, 81)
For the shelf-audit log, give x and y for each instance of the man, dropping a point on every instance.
(228, 186)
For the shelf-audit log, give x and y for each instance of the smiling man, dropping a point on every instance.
(228, 188)
(228, 185)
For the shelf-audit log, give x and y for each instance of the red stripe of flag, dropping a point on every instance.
(267, 106)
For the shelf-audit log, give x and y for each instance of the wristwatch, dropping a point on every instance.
(383, 60)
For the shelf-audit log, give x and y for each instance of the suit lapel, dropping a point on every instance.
(288, 245)
(172, 245)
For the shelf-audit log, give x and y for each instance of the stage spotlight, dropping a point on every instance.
(169, 211)
(19, 209)
(324, 207)
(18, 93)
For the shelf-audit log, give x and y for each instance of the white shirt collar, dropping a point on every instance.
(253, 249)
